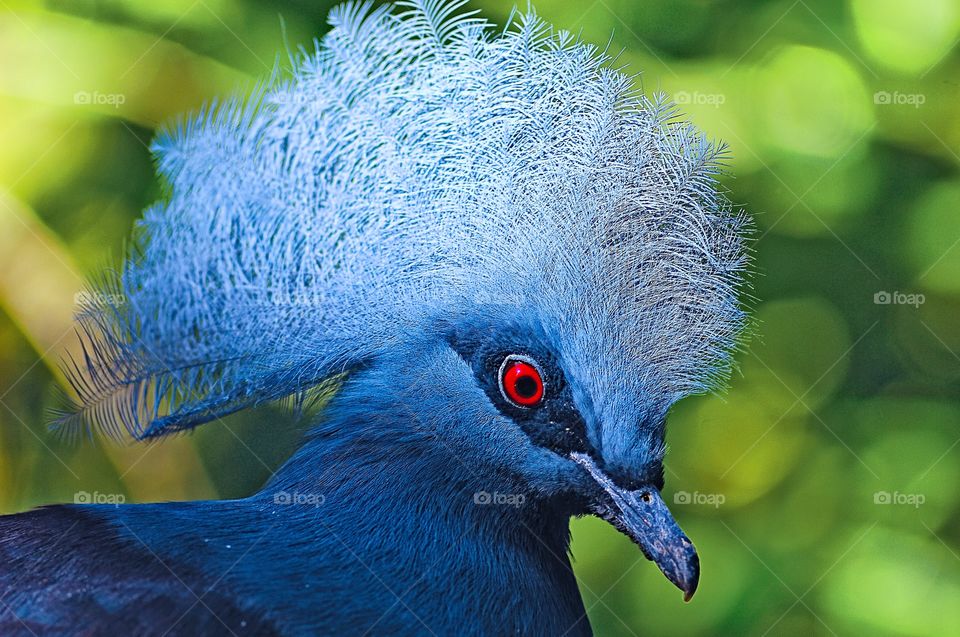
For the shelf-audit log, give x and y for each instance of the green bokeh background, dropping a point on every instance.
(822, 489)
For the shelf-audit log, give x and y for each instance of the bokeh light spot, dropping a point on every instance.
(906, 36)
(813, 101)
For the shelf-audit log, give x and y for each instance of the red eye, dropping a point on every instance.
(520, 382)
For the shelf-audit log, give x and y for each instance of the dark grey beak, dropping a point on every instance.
(643, 516)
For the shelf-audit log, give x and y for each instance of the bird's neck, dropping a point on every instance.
(397, 503)
(412, 481)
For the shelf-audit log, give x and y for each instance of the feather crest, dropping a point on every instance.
(417, 161)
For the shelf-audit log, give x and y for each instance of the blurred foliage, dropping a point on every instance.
(821, 490)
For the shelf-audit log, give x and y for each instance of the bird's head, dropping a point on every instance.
(533, 256)
(554, 409)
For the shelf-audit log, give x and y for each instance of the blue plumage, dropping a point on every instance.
(413, 165)
(423, 204)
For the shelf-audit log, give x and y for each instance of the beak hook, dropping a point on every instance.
(642, 515)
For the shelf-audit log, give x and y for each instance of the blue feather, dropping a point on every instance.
(416, 160)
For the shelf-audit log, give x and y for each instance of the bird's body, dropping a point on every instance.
(507, 262)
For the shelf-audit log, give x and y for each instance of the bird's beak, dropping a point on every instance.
(643, 516)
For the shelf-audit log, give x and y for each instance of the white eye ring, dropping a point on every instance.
(521, 358)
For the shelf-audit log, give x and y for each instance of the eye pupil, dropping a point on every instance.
(526, 386)
(521, 383)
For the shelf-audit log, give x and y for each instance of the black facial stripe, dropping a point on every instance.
(555, 423)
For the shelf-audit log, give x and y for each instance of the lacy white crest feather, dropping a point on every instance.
(418, 163)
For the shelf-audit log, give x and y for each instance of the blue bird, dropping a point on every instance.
(504, 264)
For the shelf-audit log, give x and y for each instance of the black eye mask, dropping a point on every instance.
(554, 422)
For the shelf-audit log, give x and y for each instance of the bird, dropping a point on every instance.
(481, 259)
